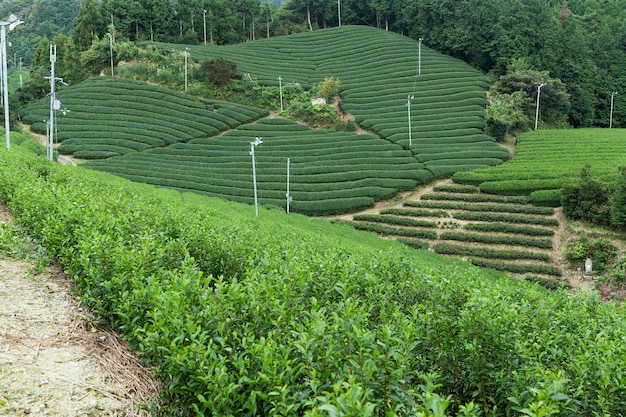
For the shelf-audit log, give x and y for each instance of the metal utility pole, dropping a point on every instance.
(111, 49)
(419, 56)
(50, 137)
(11, 23)
(280, 88)
(288, 196)
(204, 19)
(257, 141)
(339, 11)
(186, 55)
(537, 111)
(408, 105)
(611, 118)
(54, 105)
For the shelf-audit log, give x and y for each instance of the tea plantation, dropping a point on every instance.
(499, 232)
(547, 160)
(378, 71)
(110, 117)
(288, 315)
(330, 172)
(150, 134)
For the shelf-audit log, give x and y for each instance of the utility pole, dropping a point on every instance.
(50, 137)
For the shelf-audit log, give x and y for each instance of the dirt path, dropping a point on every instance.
(53, 361)
(62, 159)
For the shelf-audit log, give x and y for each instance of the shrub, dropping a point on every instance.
(550, 284)
(496, 129)
(588, 201)
(219, 72)
(546, 198)
(616, 274)
(602, 252)
(329, 88)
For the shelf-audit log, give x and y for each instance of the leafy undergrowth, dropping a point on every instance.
(285, 315)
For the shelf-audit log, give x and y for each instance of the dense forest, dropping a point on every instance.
(582, 43)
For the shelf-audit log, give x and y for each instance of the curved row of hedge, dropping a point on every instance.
(444, 248)
(543, 243)
(509, 228)
(518, 268)
(457, 202)
(332, 169)
(551, 159)
(376, 79)
(106, 110)
(503, 217)
(395, 231)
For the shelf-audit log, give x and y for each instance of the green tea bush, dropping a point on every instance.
(518, 268)
(461, 189)
(414, 243)
(395, 231)
(415, 212)
(497, 239)
(393, 220)
(464, 250)
(443, 201)
(509, 228)
(488, 198)
(546, 198)
(503, 217)
(550, 284)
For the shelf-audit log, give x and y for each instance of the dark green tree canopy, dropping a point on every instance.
(90, 25)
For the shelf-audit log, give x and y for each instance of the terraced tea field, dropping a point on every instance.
(499, 232)
(378, 71)
(110, 117)
(547, 160)
(154, 135)
(330, 172)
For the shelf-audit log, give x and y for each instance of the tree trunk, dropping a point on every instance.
(308, 16)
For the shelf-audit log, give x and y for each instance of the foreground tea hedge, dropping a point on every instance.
(285, 315)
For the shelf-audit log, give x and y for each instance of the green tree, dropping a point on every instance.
(68, 64)
(125, 15)
(267, 12)
(38, 87)
(91, 26)
(554, 100)
(329, 88)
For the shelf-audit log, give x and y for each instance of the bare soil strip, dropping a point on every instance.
(53, 359)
